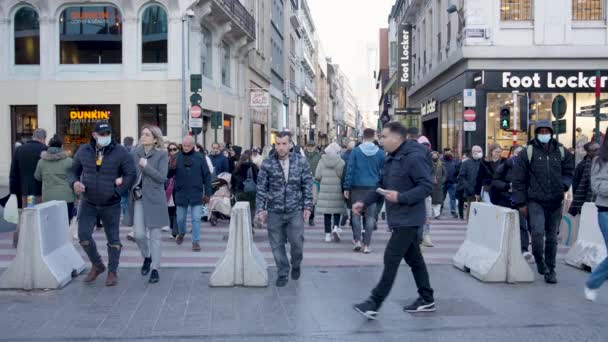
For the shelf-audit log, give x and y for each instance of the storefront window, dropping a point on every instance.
(154, 35)
(587, 124)
(587, 10)
(516, 10)
(155, 115)
(90, 35)
(27, 37)
(24, 120)
(76, 123)
(451, 124)
(228, 129)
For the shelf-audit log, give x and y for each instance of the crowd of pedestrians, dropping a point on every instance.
(155, 186)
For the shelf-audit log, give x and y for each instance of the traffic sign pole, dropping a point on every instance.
(597, 106)
(515, 111)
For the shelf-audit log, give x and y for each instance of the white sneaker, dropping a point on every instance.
(590, 294)
(426, 241)
(327, 237)
(357, 247)
(529, 257)
(336, 233)
(166, 229)
(367, 249)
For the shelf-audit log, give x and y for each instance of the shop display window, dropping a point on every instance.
(75, 123)
(153, 114)
(451, 124)
(24, 120)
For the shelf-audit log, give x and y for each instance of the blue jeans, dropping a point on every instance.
(600, 273)
(195, 212)
(450, 189)
(283, 228)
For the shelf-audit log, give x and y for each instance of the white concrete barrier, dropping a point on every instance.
(589, 249)
(492, 248)
(242, 263)
(46, 257)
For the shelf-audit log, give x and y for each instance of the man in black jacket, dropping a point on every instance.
(541, 176)
(101, 173)
(405, 185)
(21, 180)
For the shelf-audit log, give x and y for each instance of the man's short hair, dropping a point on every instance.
(39, 134)
(128, 141)
(369, 133)
(397, 128)
(413, 132)
(284, 134)
(447, 149)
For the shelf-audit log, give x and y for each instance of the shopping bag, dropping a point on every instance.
(11, 212)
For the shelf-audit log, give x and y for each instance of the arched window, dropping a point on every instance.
(27, 36)
(90, 35)
(154, 35)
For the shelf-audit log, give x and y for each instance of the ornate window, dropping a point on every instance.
(27, 37)
(154, 35)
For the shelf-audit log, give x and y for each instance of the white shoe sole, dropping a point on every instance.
(371, 315)
(423, 308)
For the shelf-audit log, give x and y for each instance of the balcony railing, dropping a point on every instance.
(241, 15)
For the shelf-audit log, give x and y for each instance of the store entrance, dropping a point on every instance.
(24, 120)
(75, 123)
(430, 130)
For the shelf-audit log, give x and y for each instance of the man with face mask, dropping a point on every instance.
(467, 178)
(102, 172)
(541, 176)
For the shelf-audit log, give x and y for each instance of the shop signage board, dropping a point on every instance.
(428, 107)
(469, 98)
(259, 99)
(470, 126)
(550, 80)
(469, 115)
(405, 55)
(559, 126)
(407, 111)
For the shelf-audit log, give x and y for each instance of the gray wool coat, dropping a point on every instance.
(153, 177)
(330, 199)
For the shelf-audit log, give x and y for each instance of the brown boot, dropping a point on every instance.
(112, 279)
(179, 239)
(196, 247)
(94, 273)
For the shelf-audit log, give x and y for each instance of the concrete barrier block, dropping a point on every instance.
(46, 257)
(589, 249)
(491, 251)
(242, 264)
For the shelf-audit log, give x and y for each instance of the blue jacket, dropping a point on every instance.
(365, 166)
(407, 171)
(220, 163)
(192, 179)
(452, 168)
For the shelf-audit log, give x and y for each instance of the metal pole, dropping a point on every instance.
(515, 114)
(184, 114)
(597, 106)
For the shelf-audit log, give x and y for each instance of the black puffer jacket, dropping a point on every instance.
(100, 181)
(502, 183)
(546, 178)
(467, 177)
(24, 164)
(581, 186)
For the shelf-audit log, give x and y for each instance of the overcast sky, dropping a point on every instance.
(347, 28)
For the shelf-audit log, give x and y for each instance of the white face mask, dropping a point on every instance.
(104, 141)
(544, 138)
(477, 155)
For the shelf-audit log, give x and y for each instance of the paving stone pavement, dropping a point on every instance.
(448, 234)
(316, 308)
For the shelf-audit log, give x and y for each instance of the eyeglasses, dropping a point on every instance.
(173, 150)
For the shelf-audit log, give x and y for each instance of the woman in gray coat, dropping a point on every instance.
(330, 200)
(147, 201)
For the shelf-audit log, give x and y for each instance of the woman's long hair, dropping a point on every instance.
(157, 134)
(603, 154)
(245, 158)
(491, 148)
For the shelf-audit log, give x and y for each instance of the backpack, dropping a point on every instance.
(530, 152)
(249, 184)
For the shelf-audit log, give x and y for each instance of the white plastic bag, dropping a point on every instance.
(11, 212)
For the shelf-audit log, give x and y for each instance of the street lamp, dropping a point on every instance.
(189, 14)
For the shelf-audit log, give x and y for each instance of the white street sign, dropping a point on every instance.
(469, 97)
(470, 126)
(196, 122)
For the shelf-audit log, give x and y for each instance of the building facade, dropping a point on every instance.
(539, 49)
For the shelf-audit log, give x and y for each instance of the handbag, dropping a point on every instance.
(248, 184)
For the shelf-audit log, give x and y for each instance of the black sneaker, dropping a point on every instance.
(145, 268)
(551, 277)
(295, 273)
(542, 269)
(369, 309)
(154, 277)
(311, 222)
(281, 281)
(420, 305)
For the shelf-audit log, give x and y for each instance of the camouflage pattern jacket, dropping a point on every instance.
(274, 195)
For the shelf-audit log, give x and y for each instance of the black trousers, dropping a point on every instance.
(327, 221)
(403, 244)
(544, 225)
(110, 216)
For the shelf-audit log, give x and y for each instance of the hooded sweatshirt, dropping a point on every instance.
(365, 166)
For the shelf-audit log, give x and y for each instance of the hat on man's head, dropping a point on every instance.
(103, 127)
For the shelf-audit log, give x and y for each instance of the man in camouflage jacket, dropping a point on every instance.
(284, 197)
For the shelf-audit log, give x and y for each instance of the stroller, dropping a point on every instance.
(220, 204)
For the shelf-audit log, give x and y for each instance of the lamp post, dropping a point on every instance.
(189, 14)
